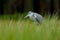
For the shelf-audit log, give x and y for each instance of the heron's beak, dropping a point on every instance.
(25, 17)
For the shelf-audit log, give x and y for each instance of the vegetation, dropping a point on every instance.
(12, 29)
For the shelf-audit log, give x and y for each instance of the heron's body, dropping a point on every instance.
(35, 17)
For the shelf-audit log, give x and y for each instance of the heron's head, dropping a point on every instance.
(30, 13)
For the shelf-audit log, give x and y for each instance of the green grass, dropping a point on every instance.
(12, 29)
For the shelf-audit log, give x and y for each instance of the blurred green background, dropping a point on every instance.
(14, 27)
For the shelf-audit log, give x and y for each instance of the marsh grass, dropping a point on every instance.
(11, 29)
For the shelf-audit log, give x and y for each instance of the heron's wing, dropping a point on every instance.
(37, 20)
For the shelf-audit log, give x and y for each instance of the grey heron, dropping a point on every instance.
(37, 18)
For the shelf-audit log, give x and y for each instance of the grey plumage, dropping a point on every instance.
(37, 18)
